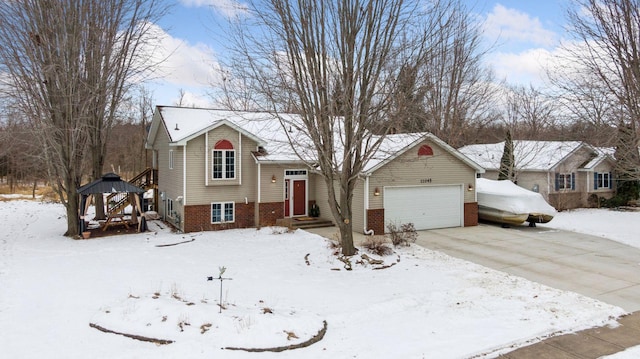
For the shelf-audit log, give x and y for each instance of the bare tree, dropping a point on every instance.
(126, 153)
(68, 64)
(335, 64)
(457, 90)
(529, 113)
(608, 33)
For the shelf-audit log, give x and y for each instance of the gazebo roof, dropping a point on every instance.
(109, 183)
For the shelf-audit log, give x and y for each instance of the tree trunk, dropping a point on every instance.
(72, 206)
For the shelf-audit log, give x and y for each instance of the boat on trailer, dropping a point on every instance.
(507, 203)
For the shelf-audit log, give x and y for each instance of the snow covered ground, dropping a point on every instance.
(620, 226)
(426, 304)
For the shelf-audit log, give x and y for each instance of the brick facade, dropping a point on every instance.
(198, 218)
(375, 220)
(471, 214)
(268, 213)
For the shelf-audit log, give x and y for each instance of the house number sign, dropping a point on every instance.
(425, 180)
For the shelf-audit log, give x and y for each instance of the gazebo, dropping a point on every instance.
(124, 194)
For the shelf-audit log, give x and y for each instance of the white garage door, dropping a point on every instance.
(427, 207)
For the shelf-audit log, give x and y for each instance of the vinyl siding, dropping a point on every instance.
(543, 180)
(409, 169)
(239, 189)
(274, 192)
(357, 206)
(321, 196)
(169, 180)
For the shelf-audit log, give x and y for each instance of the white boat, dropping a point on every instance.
(507, 203)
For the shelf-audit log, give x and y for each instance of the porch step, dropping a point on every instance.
(304, 222)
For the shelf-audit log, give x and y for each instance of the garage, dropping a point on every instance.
(427, 207)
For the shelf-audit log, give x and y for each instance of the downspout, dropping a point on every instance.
(184, 175)
(184, 184)
(206, 158)
(259, 182)
(367, 231)
(239, 158)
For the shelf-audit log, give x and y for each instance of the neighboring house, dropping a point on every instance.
(223, 169)
(569, 174)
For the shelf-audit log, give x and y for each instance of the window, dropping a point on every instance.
(602, 180)
(295, 172)
(222, 212)
(170, 159)
(223, 161)
(565, 181)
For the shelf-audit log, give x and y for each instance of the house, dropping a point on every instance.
(569, 174)
(224, 169)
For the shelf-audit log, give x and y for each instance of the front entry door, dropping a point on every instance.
(299, 197)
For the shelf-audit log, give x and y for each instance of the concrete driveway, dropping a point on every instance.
(596, 267)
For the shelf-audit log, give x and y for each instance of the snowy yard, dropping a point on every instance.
(426, 305)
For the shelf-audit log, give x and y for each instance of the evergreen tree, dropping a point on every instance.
(507, 160)
(627, 171)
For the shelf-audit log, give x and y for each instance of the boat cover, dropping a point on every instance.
(509, 197)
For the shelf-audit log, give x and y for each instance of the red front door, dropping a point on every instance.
(299, 197)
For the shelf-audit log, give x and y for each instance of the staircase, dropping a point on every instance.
(304, 222)
(147, 179)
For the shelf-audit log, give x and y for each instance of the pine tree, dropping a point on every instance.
(627, 171)
(507, 160)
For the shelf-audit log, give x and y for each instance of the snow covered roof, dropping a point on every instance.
(396, 144)
(529, 155)
(604, 153)
(184, 124)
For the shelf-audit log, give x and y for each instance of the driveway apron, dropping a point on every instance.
(593, 266)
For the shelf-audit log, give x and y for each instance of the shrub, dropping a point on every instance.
(403, 235)
(377, 245)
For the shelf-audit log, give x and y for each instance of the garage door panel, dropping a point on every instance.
(427, 207)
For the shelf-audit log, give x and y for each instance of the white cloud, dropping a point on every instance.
(507, 24)
(178, 62)
(227, 8)
(521, 68)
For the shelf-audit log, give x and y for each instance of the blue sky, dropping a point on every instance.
(525, 34)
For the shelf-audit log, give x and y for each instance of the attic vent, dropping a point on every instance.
(425, 150)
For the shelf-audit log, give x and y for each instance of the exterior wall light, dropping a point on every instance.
(376, 192)
(470, 187)
(273, 179)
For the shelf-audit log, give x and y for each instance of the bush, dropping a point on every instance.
(377, 245)
(613, 202)
(403, 235)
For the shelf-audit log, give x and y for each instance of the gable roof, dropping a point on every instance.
(394, 145)
(604, 153)
(184, 124)
(529, 155)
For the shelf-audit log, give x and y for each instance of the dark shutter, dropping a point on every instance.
(595, 180)
(557, 181)
(573, 180)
